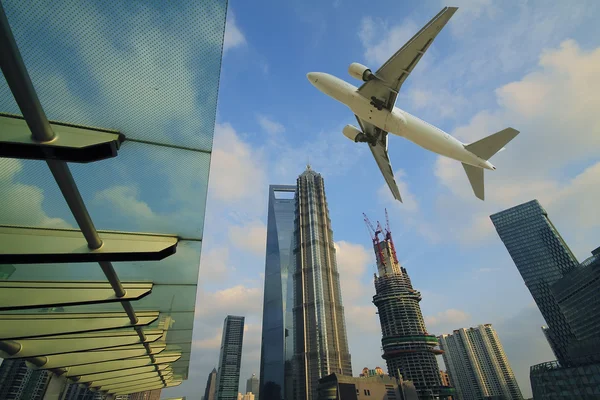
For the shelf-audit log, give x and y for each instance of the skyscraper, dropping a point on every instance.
(211, 385)
(542, 257)
(321, 345)
(17, 382)
(252, 385)
(477, 365)
(230, 357)
(277, 325)
(408, 348)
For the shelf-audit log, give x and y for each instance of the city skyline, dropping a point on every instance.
(524, 63)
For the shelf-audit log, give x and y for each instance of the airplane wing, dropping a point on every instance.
(394, 72)
(381, 155)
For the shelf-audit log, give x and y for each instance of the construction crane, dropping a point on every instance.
(375, 237)
(388, 236)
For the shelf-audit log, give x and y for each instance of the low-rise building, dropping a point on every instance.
(376, 387)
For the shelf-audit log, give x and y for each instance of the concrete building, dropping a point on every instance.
(147, 395)
(542, 258)
(377, 387)
(408, 348)
(276, 352)
(366, 372)
(321, 344)
(230, 357)
(252, 385)
(247, 396)
(17, 382)
(477, 365)
(211, 386)
(445, 378)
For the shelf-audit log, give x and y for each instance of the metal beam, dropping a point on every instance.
(106, 366)
(71, 143)
(20, 326)
(119, 373)
(129, 378)
(50, 345)
(146, 381)
(98, 356)
(20, 245)
(141, 388)
(18, 295)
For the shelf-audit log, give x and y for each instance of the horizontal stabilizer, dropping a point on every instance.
(475, 175)
(488, 146)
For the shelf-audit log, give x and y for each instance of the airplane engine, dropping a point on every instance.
(354, 134)
(360, 72)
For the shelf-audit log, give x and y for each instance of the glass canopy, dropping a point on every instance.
(107, 114)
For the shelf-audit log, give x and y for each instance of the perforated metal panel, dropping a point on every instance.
(149, 69)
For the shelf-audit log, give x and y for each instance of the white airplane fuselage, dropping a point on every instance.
(397, 121)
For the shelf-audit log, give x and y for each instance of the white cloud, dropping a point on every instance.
(379, 51)
(237, 171)
(22, 204)
(409, 201)
(233, 36)
(450, 317)
(236, 300)
(352, 262)
(251, 237)
(214, 264)
(554, 107)
(270, 126)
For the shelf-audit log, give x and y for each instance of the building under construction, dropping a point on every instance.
(408, 348)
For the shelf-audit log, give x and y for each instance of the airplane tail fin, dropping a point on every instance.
(488, 146)
(475, 175)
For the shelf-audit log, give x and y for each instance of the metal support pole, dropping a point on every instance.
(20, 84)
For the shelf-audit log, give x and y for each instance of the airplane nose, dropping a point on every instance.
(312, 77)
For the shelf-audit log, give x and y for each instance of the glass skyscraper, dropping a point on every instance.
(230, 358)
(277, 326)
(321, 345)
(542, 257)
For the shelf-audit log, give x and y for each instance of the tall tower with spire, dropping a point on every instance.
(320, 341)
(408, 349)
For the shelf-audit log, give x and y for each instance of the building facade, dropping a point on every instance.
(477, 365)
(377, 387)
(147, 395)
(321, 345)
(408, 349)
(17, 382)
(542, 258)
(277, 326)
(577, 296)
(445, 377)
(252, 385)
(230, 357)
(211, 386)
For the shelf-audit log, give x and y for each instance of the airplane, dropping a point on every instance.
(373, 104)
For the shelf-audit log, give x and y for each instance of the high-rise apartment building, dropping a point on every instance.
(277, 326)
(321, 345)
(477, 365)
(252, 385)
(230, 358)
(17, 382)
(211, 386)
(408, 349)
(542, 258)
(146, 395)
(445, 377)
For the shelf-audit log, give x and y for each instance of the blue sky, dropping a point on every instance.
(524, 64)
(519, 63)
